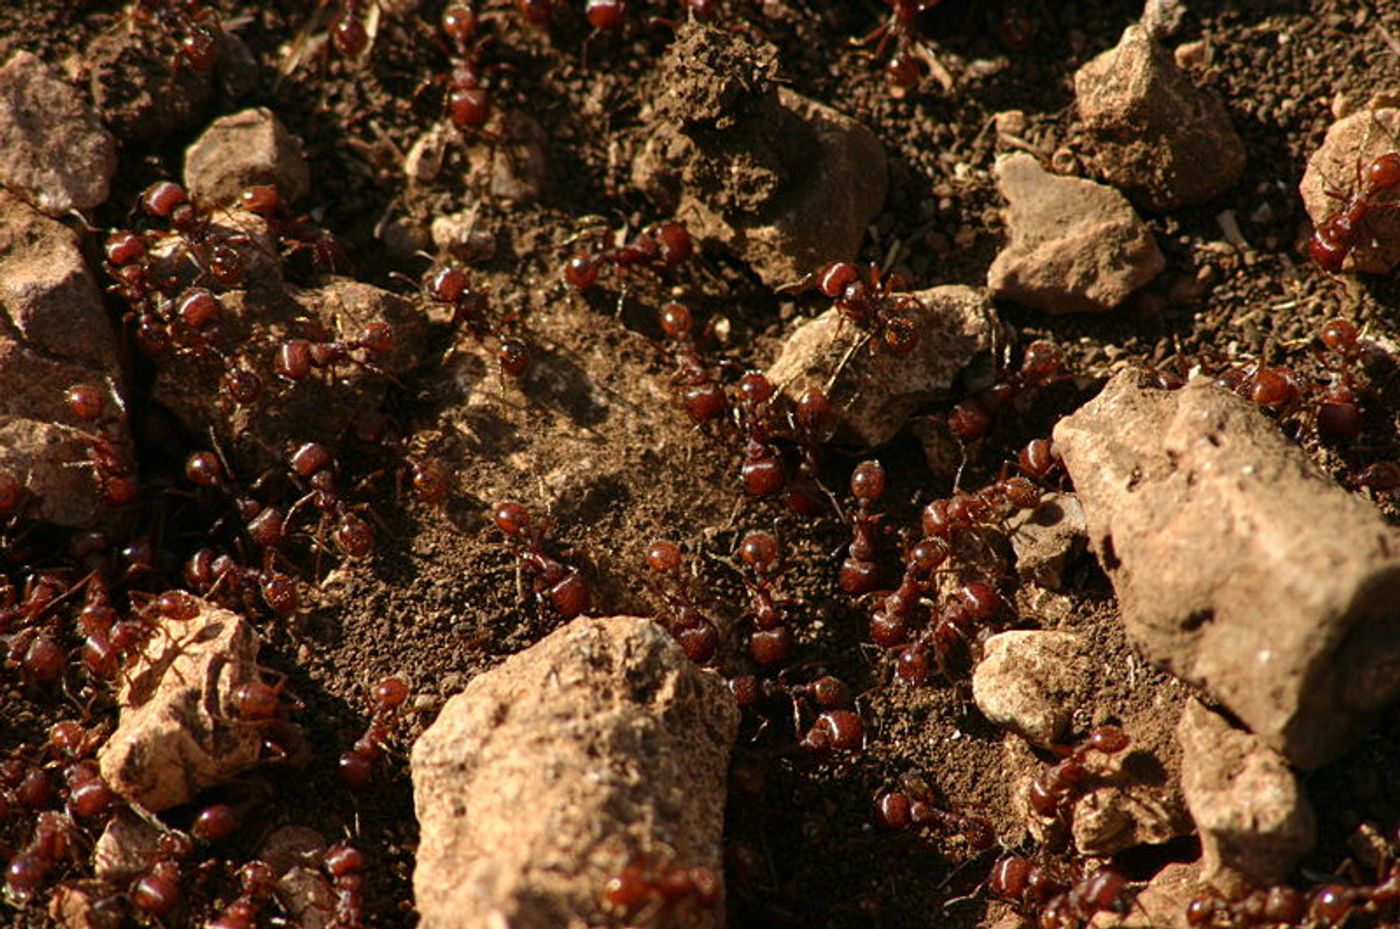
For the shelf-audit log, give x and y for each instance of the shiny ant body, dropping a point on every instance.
(873, 303)
(687, 623)
(663, 245)
(1335, 237)
(917, 804)
(555, 581)
(859, 572)
(702, 395)
(771, 641)
(1053, 793)
(356, 766)
(451, 287)
(1041, 365)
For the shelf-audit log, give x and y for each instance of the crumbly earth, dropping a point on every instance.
(617, 465)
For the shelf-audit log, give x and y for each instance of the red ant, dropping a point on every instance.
(450, 286)
(704, 398)
(562, 585)
(951, 631)
(346, 865)
(255, 884)
(468, 102)
(917, 804)
(859, 572)
(54, 839)
(663, 245)
(1279, 905)
(771, 642)
(1337, 235)
(874, 304)
(1061, 904)
(193, 28)
(695, 632)
(295, 233)
(647, 885)
(1053, 793)
(1041, 364)
(901, 28)
(112, 466)
(356, 766)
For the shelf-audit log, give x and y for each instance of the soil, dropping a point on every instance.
(595, 437)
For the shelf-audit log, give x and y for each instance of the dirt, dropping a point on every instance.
(595, 437)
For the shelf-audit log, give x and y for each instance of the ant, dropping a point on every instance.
(112, 466)
(762, 471)
(346, 866)
(55, 838)
(771, 642)
(695, 632)
(356, 766)
(916, 803)
(450, 286)
(1279, 905)
(874, 303)
(294, 233)
(1333, 240)
(702, 395)
(468, 102)
(1053, 793)
(255, 885)
(561, 584)
(859, 572)
(950, 633)
(1041, 365)
(900, 28)
(663, 245)
(193, 28)
(651, 886)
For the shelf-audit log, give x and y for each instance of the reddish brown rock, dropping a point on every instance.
(53, 150)
(597, 747)
(783, 182)
(243, 149)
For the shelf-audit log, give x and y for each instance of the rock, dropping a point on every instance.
(1030, 681)
(56, 334)
(1207, 520)
(125, 849)
(783, 182)
(318, 408)
(287, 846)
(595, 748)
(1075, 246)
(1134, 802)
(456, 234)
(873, 390)
(423, 163)
(1162, 18)
(243, 149)
(53, 150)
(1252, 813)
(86, 905)
(49, 294)
(1155, 135)
(1161, 904)
(514, 169)
(307, 897)
(179, 731)
(141, 97)
(1048, 539)
(1330, 181)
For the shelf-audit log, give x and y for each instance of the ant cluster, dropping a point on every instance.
(644, 889)
(1058, 901)
(1053, 793)
(916, 804)
(1041, 365)
(189, 25)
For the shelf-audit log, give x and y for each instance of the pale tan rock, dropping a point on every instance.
(125, 849)
(1252, 813)
(1330, 181)
(1155, 135)
(513, 169)
(53, 149)
(179, 731)
(784, 183)
(1207, 520)
(1161, 904)
(1074, 246)
(873, 390)
(598, 745)
(243, 149)
(1133, 803)
(1048, 539)
(86, 905)
(1029, 681)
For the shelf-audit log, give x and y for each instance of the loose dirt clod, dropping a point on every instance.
(1155, 135)
(783, 182)
(1048, 539)
(515, 168)
(1075, 246)
(1253, 816)
(600, 747)
(180, 730)
(140, 95)
(1138, 802)
(1334, 174)
(1237, 565)
(53, 150)
(1030, 681)
(873, 390)
(243, 149)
